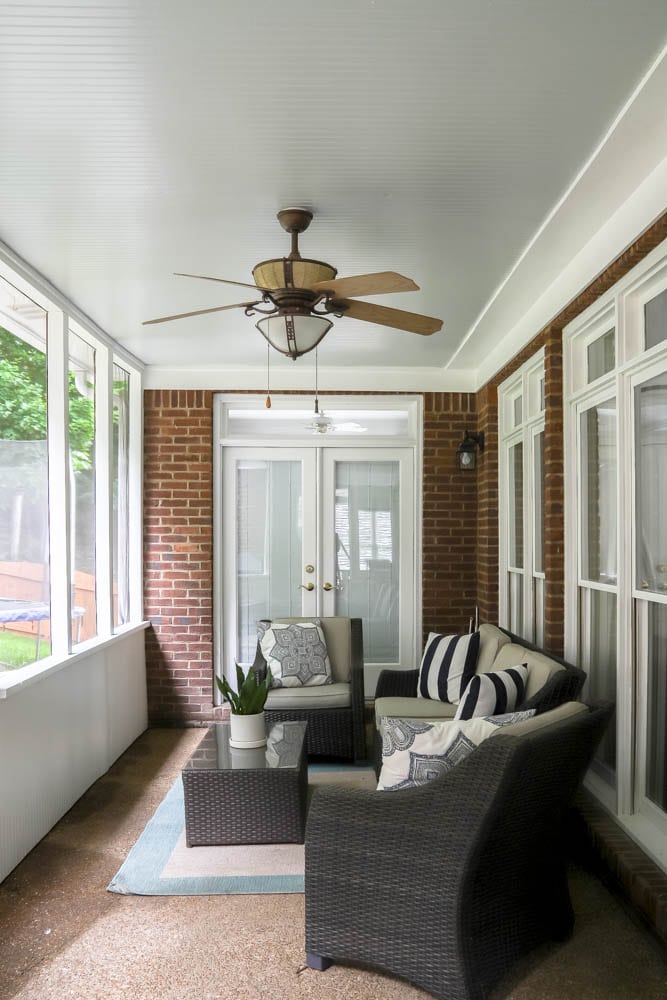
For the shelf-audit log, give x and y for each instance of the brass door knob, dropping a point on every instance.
(307, 586)
(329, 586)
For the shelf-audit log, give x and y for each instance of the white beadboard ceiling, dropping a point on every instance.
(433, 137)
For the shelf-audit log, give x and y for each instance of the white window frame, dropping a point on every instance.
(526, 384)
(62, 316)
(622, 306)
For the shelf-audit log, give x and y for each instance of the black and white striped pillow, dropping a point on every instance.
(493, 693)
(448, 664)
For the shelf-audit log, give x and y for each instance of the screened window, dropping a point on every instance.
(81, 408)
(25, 598)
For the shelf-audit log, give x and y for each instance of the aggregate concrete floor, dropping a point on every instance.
(62, 935)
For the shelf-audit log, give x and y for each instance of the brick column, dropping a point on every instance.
(449, 515)
(178, 547)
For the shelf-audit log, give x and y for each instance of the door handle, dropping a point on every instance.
(307, 586)
(329, 586)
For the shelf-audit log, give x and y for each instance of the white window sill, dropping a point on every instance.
(12, 681)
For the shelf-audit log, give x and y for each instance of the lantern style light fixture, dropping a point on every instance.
(292, 333)
(466, 453)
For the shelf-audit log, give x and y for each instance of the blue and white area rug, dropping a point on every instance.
(160, 863)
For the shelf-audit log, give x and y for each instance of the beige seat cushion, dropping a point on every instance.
(540, 667)
(337, 635)
(413, 708)
(324, 696)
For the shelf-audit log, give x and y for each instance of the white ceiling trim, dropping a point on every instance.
(621, 198)
(643, 208)
(302, 377)
(571, 190)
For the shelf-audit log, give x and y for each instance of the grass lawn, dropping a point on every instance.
(19, 650)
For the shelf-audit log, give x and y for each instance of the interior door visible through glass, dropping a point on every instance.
(367, 553)
(267, 545)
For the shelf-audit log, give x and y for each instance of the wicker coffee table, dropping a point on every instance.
(247, 796)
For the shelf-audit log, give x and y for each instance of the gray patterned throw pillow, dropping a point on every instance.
(414, 751)
(296, 654)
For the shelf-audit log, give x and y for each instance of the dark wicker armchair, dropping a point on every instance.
(332, 731)
(447, 884)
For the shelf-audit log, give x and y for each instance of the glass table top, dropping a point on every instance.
(283, 748)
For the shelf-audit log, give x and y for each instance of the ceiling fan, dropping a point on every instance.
(301, 294)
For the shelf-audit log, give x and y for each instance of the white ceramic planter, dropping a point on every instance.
(247, 731)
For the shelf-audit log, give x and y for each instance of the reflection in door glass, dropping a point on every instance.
(367, 553)
(268, 546)
(600, 655)
(598, 492)
(651, 475)
(656, 735)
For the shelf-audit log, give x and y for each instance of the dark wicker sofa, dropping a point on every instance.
(499, 649)
(332, 731)
(447, 884)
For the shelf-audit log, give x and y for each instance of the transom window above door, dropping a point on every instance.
(335, 417)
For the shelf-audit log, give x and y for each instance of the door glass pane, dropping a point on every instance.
(538, 491)
(655, 320)
(600, 656)
(81, 400)
(366, 520)
(121, 485)
(516, 506)
(656, 733)
(25, 609)
(601, 355)
(598, 492)
(269, 537)
(516, 603)
(651, 473)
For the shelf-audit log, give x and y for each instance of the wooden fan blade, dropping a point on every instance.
(200, 312)
(367, 284)
(224, 281)
(397, 318)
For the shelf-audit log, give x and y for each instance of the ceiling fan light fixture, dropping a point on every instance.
(294, 334)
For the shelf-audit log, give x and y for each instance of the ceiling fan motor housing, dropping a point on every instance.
(284, 272)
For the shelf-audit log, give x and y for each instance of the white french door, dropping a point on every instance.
(320, 531)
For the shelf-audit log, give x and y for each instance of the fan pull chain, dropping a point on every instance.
(317, 406)
(268, 373)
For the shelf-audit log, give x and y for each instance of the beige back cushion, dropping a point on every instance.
(338, 637)
(491, 640)
(540, 667)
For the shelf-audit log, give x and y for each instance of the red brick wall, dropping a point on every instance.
(178, 541)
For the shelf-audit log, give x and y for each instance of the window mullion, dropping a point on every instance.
(104, 493)
(135, 460)
(59, 484)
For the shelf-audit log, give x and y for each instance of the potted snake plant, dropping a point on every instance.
(246, 704)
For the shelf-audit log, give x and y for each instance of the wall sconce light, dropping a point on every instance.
(466, 453)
